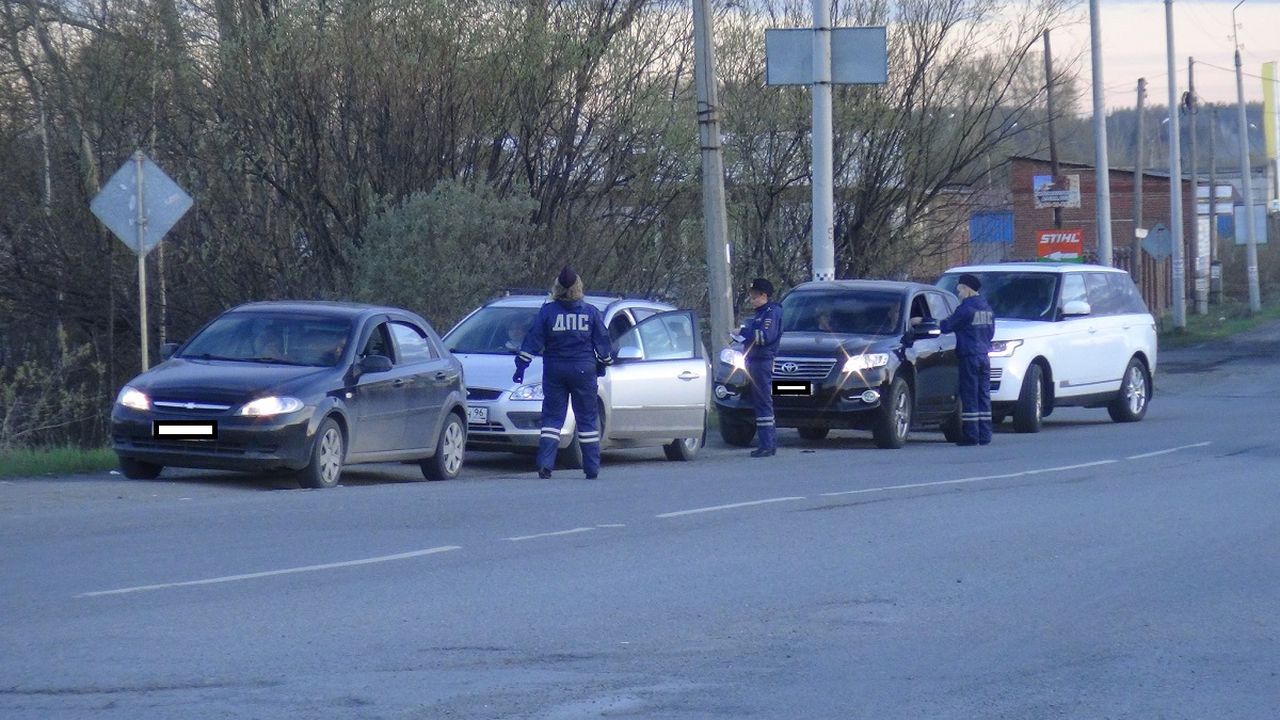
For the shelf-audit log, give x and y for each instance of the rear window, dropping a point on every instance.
(1013, 295)
(844, 313)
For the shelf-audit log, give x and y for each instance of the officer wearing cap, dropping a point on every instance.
(974, 326)
(759, 337)
(574, 344)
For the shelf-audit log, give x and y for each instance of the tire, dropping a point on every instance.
(1130, 404)
(894, 421)
(327, 453)
(139, 470)
(735, 431)
(1028, 413)
(814, 434)
(997, 418)
(451, 449)
(953, 428)
(570, 458)
(686, 449)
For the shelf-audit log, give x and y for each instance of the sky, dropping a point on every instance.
(1133, 46)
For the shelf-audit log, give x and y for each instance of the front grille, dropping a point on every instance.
(802, 368)
(485, 427)
(483, 394)
(217, 447)
(185, 406)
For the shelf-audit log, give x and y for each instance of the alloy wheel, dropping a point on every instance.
(1136, 390)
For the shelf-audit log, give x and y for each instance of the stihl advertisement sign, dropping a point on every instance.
(1060, 245)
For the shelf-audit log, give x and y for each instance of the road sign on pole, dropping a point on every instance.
(819, 57)
(140, 203)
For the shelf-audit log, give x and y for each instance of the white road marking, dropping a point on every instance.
(961, 481)
(1166, 452)
(269, 573)
(732, 506)
(611, 525)
(551, 534)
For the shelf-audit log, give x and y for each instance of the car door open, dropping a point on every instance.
(658, 382)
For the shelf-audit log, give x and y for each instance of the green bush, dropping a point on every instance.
(52, 404)
(442, 253)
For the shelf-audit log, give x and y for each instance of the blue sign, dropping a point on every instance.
(163, 204)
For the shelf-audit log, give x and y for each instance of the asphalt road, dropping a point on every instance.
(1094, 570)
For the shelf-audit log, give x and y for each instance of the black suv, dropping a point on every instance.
(849, 358)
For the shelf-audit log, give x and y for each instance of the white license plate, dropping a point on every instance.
(477, 415)
(185, 429)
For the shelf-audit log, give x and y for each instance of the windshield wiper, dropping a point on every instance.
(207, 356)
(273, 361)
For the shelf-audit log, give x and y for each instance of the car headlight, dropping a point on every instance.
(1003, 348)
(532, 391)
(268, 406)
(733, 358)
(133, 398)
(869, 361)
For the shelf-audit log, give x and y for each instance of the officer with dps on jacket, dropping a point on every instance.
(759, 337)
(571, 336)
(974, 325)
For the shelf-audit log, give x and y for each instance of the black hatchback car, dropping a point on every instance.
(850, 359)
(299, 386)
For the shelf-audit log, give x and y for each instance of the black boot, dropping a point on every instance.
(544, 473)
(764, 452)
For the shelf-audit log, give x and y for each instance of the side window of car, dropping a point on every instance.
(1127, 292)
(619, 325)
(1073, 289)
(668, 336)
(642, 312)
(378, 343)
(1103, 299)
(920, 308)
(413, 344)
(938, 306)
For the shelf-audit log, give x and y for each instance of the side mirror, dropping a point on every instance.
(374, 364)
(167, 350)
(629, 352)
(1076, 308)
(926, 329)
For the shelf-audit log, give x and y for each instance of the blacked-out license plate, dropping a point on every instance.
(792, 387)
(184, 429)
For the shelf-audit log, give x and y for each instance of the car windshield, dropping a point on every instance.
(849, 312)
(1014, 295)
(271, 339)
(492, 330)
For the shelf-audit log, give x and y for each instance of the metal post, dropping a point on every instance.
(1175, 180)
(1054, 168)
(1200, 264)
(1215, 262)
(824, 251)
(1139, 181)
(1102, 168)
(1246, 174)
(138, 158)
(715, 224)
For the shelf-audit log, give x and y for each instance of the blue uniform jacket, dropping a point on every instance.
(762, 333)
(567, 332)
(974, 325)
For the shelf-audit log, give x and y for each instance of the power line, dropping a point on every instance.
(1230, 70)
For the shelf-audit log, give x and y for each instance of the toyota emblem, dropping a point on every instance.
(789, 368)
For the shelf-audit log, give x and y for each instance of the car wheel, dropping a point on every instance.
(953, 428)
(894, 421)
(451, 448)
(735, 430)
(1029, 411)
(686, 449)
(139, 470)
(814, 434)
(326, 457)
(997, 418)
(570, 458)
(1130, 404)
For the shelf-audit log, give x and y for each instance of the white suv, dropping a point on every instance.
(1066, 334)
(657, 392)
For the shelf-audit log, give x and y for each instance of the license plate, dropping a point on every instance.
(185, 429)
(792, 387)
(477, 415)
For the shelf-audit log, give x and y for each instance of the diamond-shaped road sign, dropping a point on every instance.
(163, 204)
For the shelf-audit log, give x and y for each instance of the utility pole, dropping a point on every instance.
(1055, 170)
(1175, 180)
(715, 225)
(1102, 167)
(824, 249)
(1246, 175)
(1215, 265)
(1199, 267)
(1139, 180)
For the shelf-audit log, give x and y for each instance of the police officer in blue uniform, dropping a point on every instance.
(974, 325)
(759, 337)
(574, 344)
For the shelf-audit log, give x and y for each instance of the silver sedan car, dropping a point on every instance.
(657, 392)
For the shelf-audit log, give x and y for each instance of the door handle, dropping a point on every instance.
(398, 382)
(441, 375)
(687, 375)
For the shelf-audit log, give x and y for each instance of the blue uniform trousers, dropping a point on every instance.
(564, 382)
(761, 372)
(975, 398)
